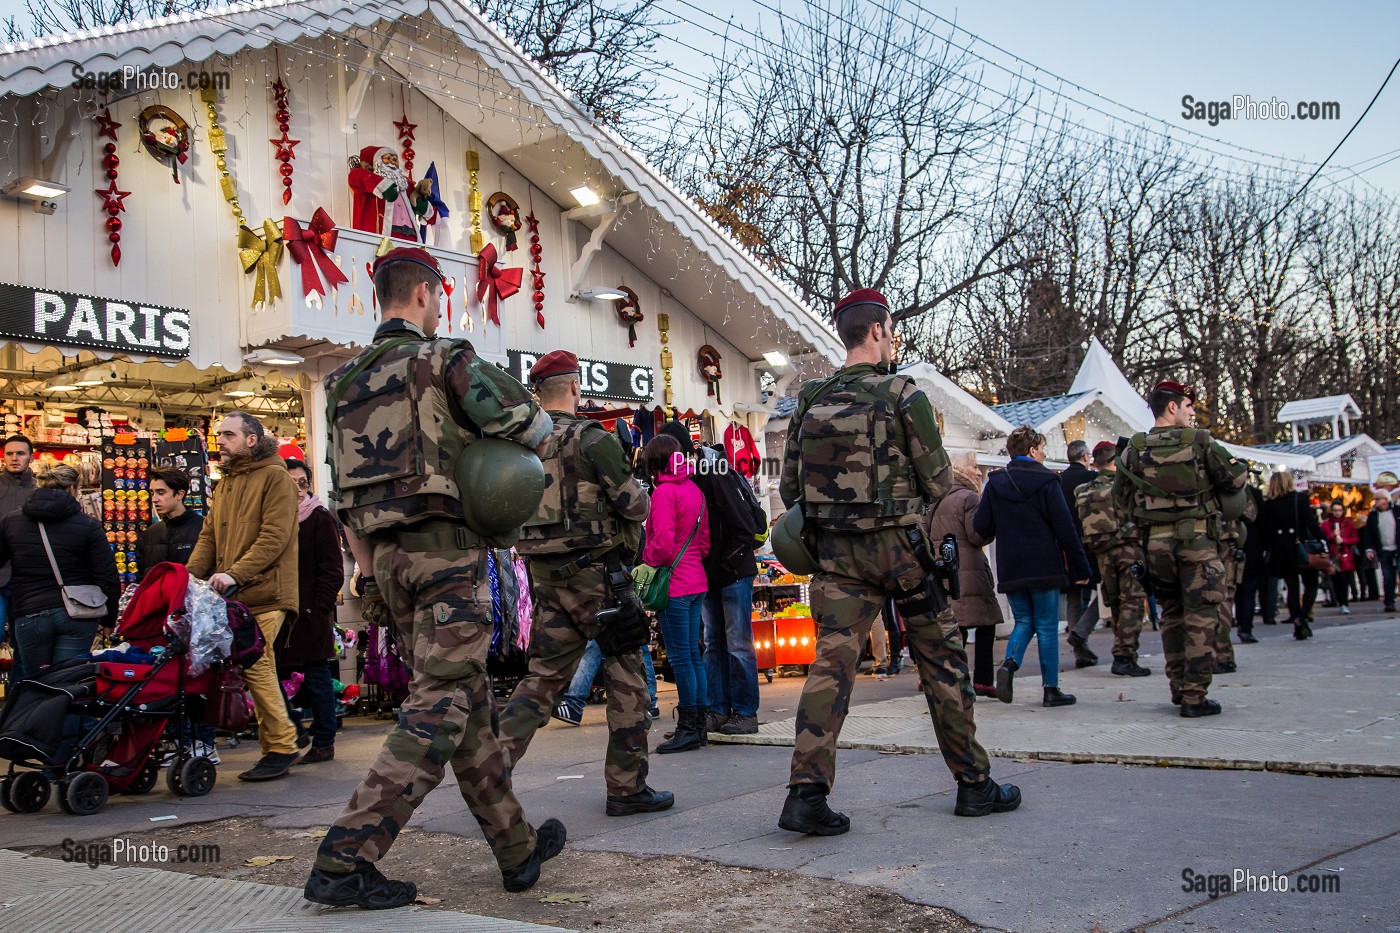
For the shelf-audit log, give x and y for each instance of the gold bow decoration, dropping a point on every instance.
(260, 253)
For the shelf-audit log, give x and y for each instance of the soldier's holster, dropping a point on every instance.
(623, 626)
(928, 599)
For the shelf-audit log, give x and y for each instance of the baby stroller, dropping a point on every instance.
(97, 724)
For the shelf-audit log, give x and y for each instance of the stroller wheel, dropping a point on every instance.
(197, 777)
(172, 774)
(28, 792)
(85, 793)
(146, 781)
(5, 796)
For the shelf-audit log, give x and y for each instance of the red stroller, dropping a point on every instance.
(119, 712)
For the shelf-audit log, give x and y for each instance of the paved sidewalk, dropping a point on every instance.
(1330, 705)
(38, 895)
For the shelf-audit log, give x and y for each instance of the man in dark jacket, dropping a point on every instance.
(1255, 581)
(1081, 611)
(16, 483)
(1380, 538)
(731, 664)
(174, 536)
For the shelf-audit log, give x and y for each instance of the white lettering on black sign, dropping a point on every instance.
(621, 382)
(85, 321)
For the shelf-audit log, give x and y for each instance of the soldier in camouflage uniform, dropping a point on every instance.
(864, 462)
(1117, 544)
(1170, 480)
(587, 527)
(400, 414)
(1232, 557)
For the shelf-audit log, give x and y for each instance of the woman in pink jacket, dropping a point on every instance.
(677, 515)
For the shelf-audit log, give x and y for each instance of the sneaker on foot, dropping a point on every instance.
(1346, 610)
(206, 750)
(365, 887)
(317, 754)
(564, 713)
(740, 725)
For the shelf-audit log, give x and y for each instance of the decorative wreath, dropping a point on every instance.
(168, 140)
(505, 217)
(629, 312)
(708, 359)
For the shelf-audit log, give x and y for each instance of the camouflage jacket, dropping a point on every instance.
(590, 493)
(398, 426)
(864, 452)
(1105, 525)
(1173, 474)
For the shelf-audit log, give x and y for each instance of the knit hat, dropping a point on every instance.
(554, 363)
(679, 432)
(861, 296)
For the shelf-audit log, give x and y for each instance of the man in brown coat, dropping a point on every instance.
(249, 540)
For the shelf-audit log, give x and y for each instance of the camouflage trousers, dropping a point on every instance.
(859, 572)
(563, 624)
(1125, 597)
(1190, 584)
(1234, 570)
(441, 603)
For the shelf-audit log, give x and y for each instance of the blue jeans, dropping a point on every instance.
(731, 667)
(576, 697)
(1037, 612)
(319, 695)
(680, 625)
(50, 636)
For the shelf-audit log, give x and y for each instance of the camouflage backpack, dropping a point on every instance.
(1170, 483)
(1104, 524)
(856, 473)
(574, 513)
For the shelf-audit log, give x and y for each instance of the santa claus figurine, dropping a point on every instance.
(385, 200)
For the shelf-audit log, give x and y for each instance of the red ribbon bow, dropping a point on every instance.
(494, 284)
(308, 248)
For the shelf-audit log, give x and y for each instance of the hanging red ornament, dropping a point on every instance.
(707, 358)
(536, 273)
(406, 130)
(505, 217)
(629, 312)
(166, 136)
(286, 146)
(112, 196)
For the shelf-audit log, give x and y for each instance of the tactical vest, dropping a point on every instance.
(574, 513)
(394, 438)
(856, 472)
(1171, 483)
(1104, 525)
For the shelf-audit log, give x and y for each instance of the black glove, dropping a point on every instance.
(623, 629)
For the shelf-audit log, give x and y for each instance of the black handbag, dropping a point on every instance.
(1311, 552)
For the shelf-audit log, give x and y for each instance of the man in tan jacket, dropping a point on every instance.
(249, 540)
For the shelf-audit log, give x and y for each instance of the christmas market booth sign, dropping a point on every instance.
(68, 319)
(621, 382)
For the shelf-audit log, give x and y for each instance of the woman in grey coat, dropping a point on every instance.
(977, 607)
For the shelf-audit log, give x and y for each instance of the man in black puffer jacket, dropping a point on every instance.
(172, 538)
(45, 632)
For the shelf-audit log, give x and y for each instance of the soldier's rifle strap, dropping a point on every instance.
(565, 571)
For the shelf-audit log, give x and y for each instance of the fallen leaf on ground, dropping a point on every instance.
(564, 897)
(427, 901)
(261, 861)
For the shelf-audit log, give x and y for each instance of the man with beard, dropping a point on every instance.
(250, 541)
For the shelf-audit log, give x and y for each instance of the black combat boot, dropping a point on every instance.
(1004, 675)
(365, 887)
(1054, 696)
(549, 842)
(986, 797)
(645, 801)
(806, 811)
(1127, 667)
(1196, 710)
(689, 732)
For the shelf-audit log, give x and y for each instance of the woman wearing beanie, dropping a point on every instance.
(677, 533)
(1038, 554)
(976, 609)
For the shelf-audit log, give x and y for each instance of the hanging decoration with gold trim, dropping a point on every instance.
(629, 312)
(708, 360)
(166, 136)
(258, 252)
(505, 217)
(478, 239)
(663, 323)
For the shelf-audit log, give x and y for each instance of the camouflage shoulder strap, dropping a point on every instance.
(578, 429)
(798, 416)
(337, 392)
(1139, 443)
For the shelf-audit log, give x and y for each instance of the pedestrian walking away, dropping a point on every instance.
(1116, 541)
(861, 470)
(1379, 539)
(1292, 536)
(408, 417)
(580, 543)
(1173, 482)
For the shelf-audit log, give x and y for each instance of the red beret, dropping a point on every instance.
(556, 363)
(1104, 445)
(1180, 388)
(861, 296)
(409, 254)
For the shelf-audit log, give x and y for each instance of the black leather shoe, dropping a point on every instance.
(271, 766)
(1225, 667)
(549, 842)
(1005, 673)
(987, 797)
(1196, 710)
(1126, 667)
(1176, 697)
(364, 887)
(1083, 657)
(806, 811)
(1054, 696)
(1247, 638)
(1271, 621)
(647, 801)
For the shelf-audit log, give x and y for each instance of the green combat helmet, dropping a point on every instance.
(501, 485)
(788, 545)
(1233, 504)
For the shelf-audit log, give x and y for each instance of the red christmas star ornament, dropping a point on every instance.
(106, 126)
(284, 148)
(532, 224)
(112, 198)
(404, 127)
